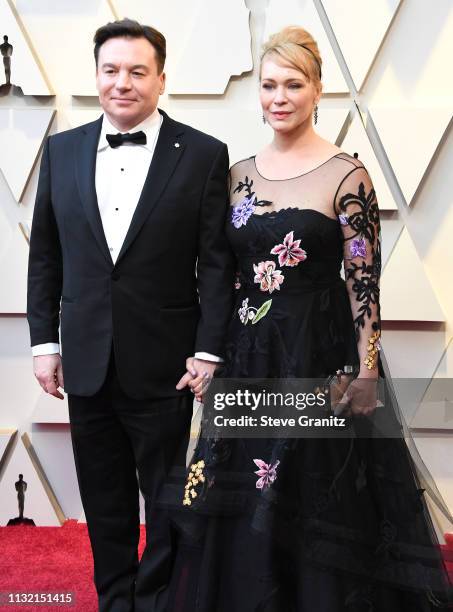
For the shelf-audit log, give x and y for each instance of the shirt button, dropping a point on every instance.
(122, 169)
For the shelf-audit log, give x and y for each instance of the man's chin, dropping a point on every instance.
(123, 116)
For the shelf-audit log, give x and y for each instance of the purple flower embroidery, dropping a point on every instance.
(267, 473)
(242, 212)
(244, 311)
(344, 219)
(250, 313)
(358, 248)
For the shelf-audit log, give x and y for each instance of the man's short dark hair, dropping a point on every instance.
(128, 28)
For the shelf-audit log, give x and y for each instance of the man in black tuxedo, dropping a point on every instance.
(128, 242)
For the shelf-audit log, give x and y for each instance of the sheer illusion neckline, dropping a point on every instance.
(290, 178)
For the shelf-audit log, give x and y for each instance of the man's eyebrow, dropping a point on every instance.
(139, 66)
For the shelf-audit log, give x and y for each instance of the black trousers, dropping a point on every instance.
(115, 439)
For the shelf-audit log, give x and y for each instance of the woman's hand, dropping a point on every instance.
(359, 398)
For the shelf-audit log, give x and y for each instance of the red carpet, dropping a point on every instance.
(48, 560)
(58, 560)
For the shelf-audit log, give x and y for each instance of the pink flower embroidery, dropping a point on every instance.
(289, 253)
(268, 277)
(267, 473)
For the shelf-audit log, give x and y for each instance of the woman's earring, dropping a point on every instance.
(264, 118)
(316, 114)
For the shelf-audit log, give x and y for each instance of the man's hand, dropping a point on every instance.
(49, 373)
(198, 376)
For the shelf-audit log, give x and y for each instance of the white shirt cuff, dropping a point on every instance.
(208, 357)
(50, 348)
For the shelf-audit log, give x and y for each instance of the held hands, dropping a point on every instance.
(355, 396)
(350, 396)
(49, 373)
(198, 376)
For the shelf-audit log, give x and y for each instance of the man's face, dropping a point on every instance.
(127, 80)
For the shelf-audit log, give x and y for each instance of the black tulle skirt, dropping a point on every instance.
(344, 528)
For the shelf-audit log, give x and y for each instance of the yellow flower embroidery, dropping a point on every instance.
(194, 478)
(372, 350)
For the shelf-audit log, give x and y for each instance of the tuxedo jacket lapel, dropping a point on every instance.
(85, 152)
(166, 155)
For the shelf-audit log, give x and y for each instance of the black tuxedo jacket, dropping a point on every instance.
(169, 292)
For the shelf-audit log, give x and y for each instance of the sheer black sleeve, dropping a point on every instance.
(358, 213)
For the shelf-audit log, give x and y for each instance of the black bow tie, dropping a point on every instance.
(116, 140)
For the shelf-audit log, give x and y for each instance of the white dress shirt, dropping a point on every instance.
(120, 175)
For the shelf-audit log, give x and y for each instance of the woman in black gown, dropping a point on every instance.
(282, 525)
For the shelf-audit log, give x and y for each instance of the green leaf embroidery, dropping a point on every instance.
(262, 311)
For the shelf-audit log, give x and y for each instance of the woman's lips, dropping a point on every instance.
(280, 114)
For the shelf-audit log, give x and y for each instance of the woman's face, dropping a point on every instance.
(286, 95)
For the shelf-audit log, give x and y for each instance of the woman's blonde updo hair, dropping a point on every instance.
(298, 48)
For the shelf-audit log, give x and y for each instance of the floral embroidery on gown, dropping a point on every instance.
(332, 525)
